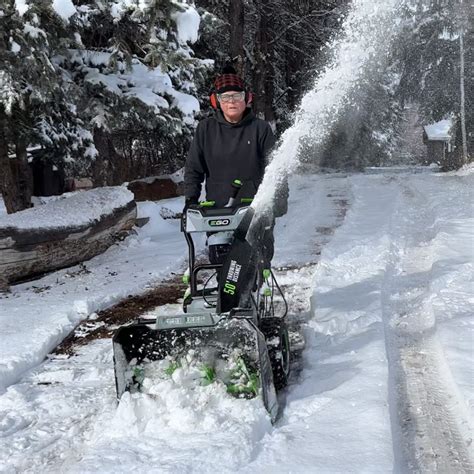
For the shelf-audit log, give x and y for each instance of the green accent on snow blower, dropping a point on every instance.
(246, 200)
(186, 278)
(187, 295)
(248, 383)
(267, 292)
(171, 369)
(208, 374)
(237, 182)
(207, 203)
(266, 274)
(138, 375)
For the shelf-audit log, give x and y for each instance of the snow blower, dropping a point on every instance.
(233, 325)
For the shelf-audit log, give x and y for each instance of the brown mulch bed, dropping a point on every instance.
(103, 326)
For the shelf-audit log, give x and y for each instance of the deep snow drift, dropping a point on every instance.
(391, 301)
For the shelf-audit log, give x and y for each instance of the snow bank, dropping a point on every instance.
(452, 275)
(70, 210)
(205, 431)
(466, 170)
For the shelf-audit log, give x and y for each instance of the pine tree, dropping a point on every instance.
(139, 75)
(104, 88)
(34, 100)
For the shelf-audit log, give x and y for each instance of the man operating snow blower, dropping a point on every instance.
(229, 147)
(233, 326)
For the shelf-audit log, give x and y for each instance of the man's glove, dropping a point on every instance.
(189, 202)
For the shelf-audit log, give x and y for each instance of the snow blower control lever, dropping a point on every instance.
(237, 185)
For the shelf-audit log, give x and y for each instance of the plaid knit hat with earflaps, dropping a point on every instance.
(228, 81)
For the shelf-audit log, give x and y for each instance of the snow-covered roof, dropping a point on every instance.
(439, 130)
(73, 210)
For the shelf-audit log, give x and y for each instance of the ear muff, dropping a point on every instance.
(249, 98)
(213, 100)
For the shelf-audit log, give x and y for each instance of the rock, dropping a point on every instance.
(155, 188)
(82, 184)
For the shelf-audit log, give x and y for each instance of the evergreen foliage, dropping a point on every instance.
(280, 50)
(111, 89)
(110, 82)
(429, 53)
(34, 94)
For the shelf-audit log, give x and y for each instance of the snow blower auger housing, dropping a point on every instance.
(232, 328)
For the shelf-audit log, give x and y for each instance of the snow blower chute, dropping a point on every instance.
(235, 327)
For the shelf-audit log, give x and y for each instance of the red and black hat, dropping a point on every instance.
(229, 80)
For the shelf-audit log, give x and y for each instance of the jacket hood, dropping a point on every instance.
(247, 118)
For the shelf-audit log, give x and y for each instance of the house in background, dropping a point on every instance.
(48, 179)
(439, 139)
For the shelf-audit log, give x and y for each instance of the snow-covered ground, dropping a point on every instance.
(386, 381)
(36, 316)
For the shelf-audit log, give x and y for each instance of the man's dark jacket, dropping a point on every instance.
(222, 152)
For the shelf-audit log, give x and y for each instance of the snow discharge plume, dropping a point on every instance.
(366, 36)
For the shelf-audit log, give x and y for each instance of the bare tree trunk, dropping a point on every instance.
(100, 167)
(463, 99)
(264, 71)
(24, 178)
(7, 181)
(236, 43)
(110, 168)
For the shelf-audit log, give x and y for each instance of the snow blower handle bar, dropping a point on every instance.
(232, 202)
(237, 185)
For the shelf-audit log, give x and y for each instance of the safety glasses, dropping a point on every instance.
(236, 97)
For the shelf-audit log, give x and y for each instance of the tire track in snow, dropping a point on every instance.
(338, 412)
(429, 423)
(296, 280)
